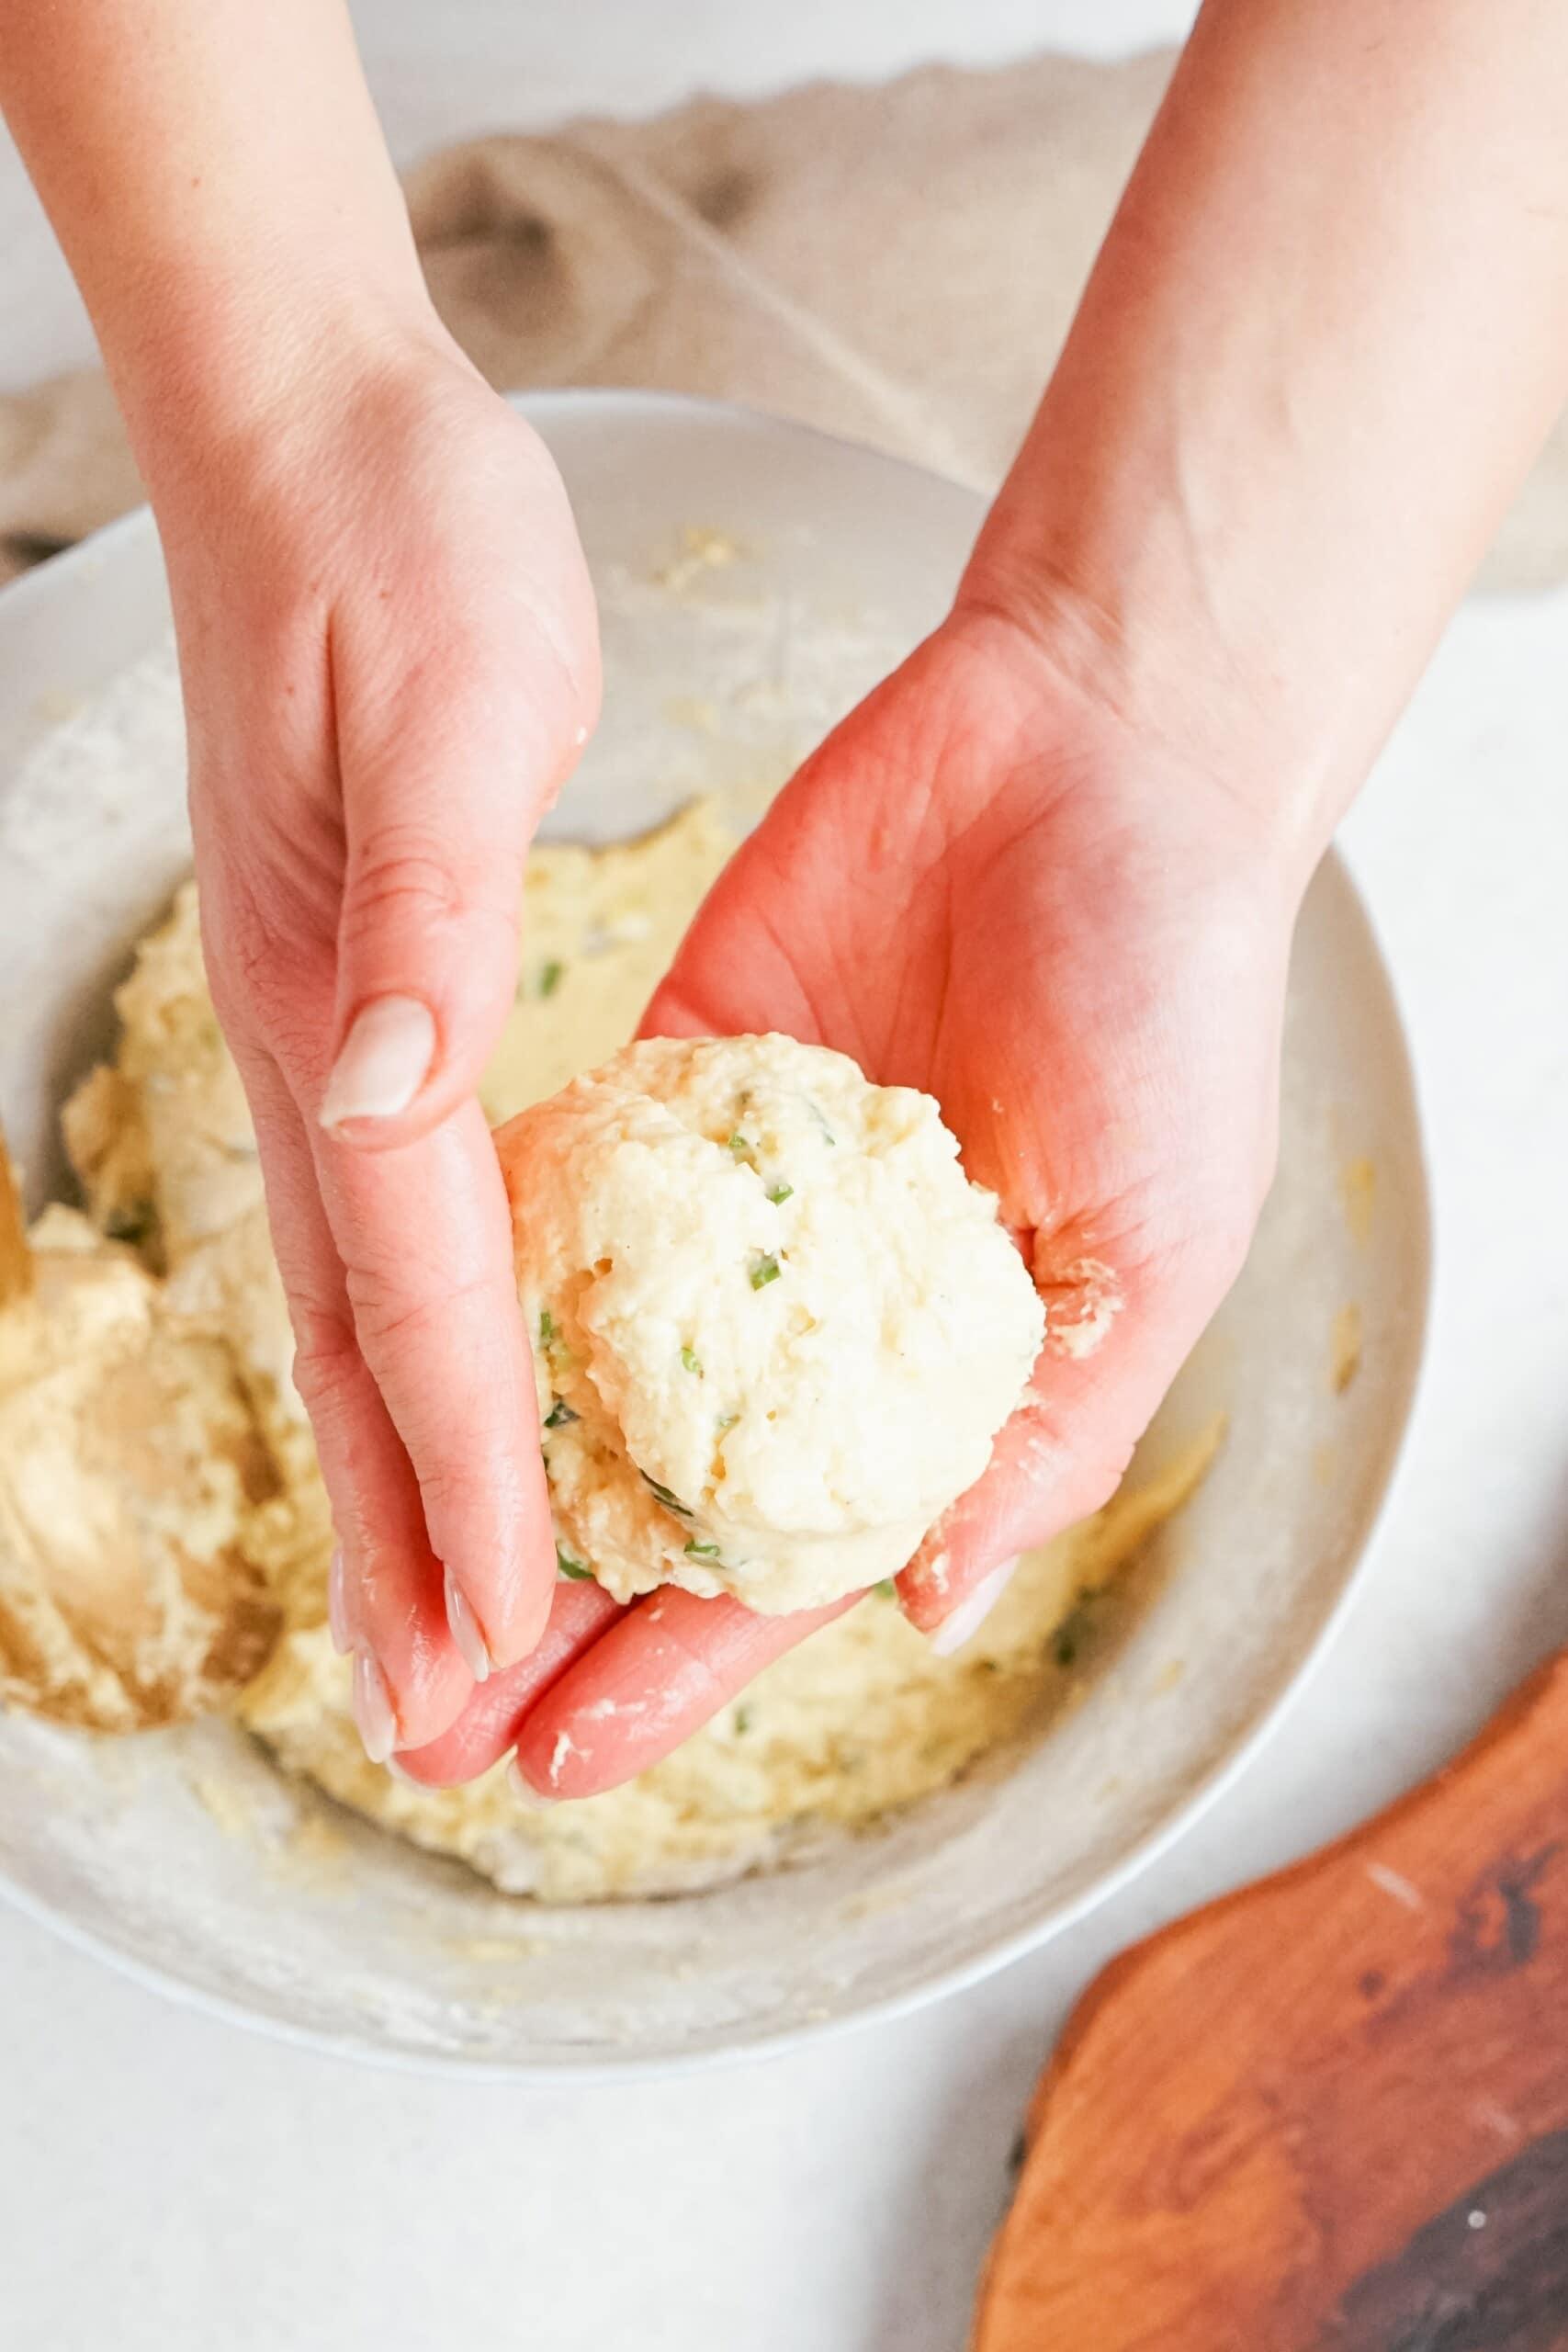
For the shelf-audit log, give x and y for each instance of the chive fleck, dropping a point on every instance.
(689, 1357)
(132, 1224)
(743, 1720)
(1074, 1630)
(550, 976)
(765, 1269)
(722, 1422)
(887, 1589)
(777, 1192)
(572, 1569)
(737, 1143)
(547, 1327)
(670, 1501)
(560, 1413)
(703, 1551)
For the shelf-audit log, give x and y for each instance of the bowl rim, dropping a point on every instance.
(1053, 1919)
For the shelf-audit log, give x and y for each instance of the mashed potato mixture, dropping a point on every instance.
(862, 1718)
(775, 1328)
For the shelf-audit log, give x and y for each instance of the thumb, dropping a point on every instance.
(438, 817)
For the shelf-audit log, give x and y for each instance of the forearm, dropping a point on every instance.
(1326, 336)
(215, 172)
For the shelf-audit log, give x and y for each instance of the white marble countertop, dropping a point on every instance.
(167, 2181)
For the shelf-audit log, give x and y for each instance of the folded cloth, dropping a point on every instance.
(896, 264)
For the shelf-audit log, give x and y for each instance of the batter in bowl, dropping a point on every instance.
(863, 1717)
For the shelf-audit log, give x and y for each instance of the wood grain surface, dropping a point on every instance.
(1331, 2110)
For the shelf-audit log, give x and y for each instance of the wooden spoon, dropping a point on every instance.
(130, 1467)
(1330, 2111)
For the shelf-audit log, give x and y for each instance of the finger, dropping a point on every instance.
(424, 1235)
(662, 1670)
(489, 1724)
(443, 786)
(409, 1681)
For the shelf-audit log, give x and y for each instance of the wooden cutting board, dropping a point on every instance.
(1330, 2111)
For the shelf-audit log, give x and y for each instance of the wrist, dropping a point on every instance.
(231, 376)
(1248, 807)
(1137, 638)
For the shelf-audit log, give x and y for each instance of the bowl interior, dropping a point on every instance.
(755, 578)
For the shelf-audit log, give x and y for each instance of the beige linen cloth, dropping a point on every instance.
(896, 264)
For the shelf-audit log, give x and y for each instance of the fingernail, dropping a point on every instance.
(972, 1610)
(466, 1630)
(337, 1606)
(392, 1765)
(524, 1790)
(373, 1707)
(385, 1060)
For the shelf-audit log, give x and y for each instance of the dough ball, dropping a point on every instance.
(774, 1326)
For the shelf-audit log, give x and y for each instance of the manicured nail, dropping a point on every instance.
(385, 1060)
(466, 1630)
(373, 1707)
(524, 1790)
(337, 1605)
(973, 1610)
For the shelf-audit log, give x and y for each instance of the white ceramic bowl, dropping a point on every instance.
(179, 1858)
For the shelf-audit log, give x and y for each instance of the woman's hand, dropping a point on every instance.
(983, 885)
(390, 656)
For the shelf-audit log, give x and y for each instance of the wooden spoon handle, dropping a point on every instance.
(1330, 2111)
(16, 1257)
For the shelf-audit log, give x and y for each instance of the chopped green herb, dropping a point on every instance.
(560, 1413)
(1074, 1630)
(722, 1422)
(743, 1720)
(703, 1551)
(547, 1327)
(887, 1589)
(130, 1224)
(777, 1192)
(765, 1269)
(815, 1109)
(689, 1357)
(550, 976)
(739, 1143)
(572, 1569)
(671, 1501)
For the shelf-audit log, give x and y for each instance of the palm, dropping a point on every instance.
(977, 889)
(973, 889)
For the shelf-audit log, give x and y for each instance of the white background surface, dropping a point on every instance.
(169, 2182)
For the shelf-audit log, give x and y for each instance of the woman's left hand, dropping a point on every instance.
(389, 656)
(983, 885)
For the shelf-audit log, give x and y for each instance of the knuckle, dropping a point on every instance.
(392, 1320)
(327, 1362)
(406, 878)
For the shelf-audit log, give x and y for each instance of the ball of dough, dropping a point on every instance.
(774, 1326)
